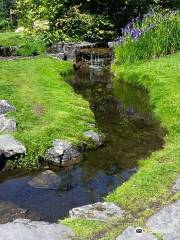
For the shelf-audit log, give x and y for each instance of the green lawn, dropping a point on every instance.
(150, 188)
(47, 107)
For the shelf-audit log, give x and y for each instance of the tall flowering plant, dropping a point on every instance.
(155, 34)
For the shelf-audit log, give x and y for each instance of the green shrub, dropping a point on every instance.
(4, 24)
(156, 35)
(28, 45)
(84, 26)
(31, 47)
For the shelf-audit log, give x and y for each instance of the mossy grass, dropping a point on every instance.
(28, 46)
(47, 106)
(151, 188)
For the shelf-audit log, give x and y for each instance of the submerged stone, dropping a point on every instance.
(132, 233)
(63, 153)
(7, 124)
(98, 211)
(26, 230)
(47, 180)
(167, 222)
(6, 107)
(10, 147)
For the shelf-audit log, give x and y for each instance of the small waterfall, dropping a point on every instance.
(92, 60)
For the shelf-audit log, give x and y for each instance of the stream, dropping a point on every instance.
(123, 114)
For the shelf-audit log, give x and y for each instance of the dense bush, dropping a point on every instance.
(156, 35)
(7, 20)
(27, 46)
(80, 26)
(4, 24)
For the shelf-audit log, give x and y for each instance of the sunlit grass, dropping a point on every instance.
(47, 106)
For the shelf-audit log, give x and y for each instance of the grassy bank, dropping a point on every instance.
(47, 107)
(149, 189)
(28, 46)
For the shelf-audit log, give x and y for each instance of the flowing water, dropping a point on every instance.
(123, 114)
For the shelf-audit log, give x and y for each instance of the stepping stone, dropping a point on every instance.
(23, 229)
(98, 211)
(63, 153)
(167, 222)
(94, 137)
(10, 147)
(176, 186)
(7, 124)
(46, 180)
(132, 233)
(6, 107)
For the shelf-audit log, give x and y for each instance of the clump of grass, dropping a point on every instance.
(28, 46)
(158, 34)
(47, 107)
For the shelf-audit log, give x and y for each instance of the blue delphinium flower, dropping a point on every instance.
(136, 33)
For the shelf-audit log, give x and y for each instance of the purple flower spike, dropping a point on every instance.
(136, 33)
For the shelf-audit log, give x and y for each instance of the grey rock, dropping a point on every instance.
(47, 180)
(131, 234)
(98, 211)
(94, 137)
(7, 124)
(6, 107)
(10, 147)
(63, 153)
(176, 186)
(167, 222)
(23, 229)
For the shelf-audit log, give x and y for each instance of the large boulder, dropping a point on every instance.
(47, 180)
(6, 107)
(63, 153)
(7, 124)
(23, 229)
(132, 233)
(10, 148)
(98, 211)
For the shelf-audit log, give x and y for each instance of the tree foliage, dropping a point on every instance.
(87, 19)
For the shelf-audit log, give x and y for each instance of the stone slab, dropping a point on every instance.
(23, 229)
(176, 186)
(98, 211)
(167, 222)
